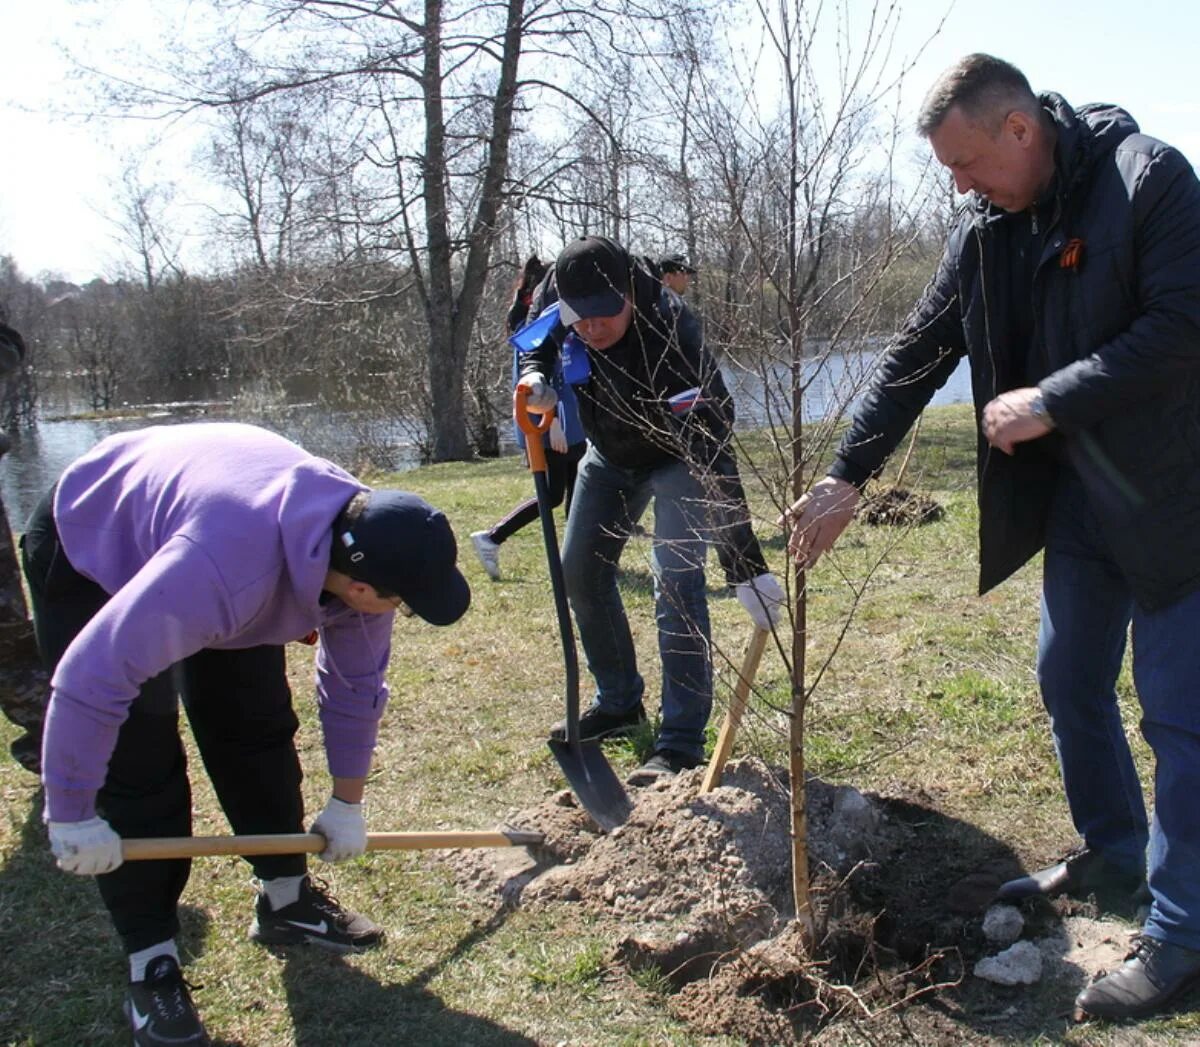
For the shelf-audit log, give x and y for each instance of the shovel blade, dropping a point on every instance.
(593, 781)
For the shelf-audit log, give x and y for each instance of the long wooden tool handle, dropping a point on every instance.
(737, 706)
(311, 843)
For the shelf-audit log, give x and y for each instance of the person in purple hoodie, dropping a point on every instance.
(176, 562)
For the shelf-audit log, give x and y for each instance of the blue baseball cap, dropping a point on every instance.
(592, 276)
(401, 544)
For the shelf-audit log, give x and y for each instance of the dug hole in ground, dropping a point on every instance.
(698, 891)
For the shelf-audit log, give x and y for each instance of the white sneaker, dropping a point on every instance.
(488, 553)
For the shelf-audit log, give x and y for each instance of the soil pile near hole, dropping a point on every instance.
(699, 893)
(700, 887)
(714, 864)
(897, 507)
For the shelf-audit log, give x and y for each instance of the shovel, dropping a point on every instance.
(157, 847)
(583, 763)
(737, 707)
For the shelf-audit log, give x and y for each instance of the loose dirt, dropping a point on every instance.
(699, 893)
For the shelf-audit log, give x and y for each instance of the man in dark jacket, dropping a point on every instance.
(1072, 282)
(659, 420)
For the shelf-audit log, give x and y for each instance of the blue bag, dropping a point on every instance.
(533, 334)
(576, 364)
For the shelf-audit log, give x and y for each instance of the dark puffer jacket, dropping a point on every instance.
(624, 405)
(1116, 306)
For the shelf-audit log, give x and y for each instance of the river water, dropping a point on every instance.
(40, 454)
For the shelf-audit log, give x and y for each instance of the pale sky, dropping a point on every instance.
(56, 174)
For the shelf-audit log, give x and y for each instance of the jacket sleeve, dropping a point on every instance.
(920, 361)
(12, 348)
(1148, 357)
(517, 312)
(352, 688)
(706, 434)
(140, 632)
(543, 360)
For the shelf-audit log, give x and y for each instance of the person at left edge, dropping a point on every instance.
(178, 560)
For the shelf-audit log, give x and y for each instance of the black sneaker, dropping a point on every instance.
(160, 1008)
(315, 918)
(664, 763)
(27, 751)
(595, 723)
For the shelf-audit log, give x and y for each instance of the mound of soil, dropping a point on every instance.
(897, 507)
(699, 891)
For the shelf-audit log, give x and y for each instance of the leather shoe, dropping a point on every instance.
(1153, 974)
(1080, 872)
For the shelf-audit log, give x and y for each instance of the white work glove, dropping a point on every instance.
(558, 439)
(85, 848)
(763, 597)
(344, 828)
(541, 393)
(818, 518)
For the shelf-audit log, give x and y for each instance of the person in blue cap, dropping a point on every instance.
(175, 562)
(659, 423)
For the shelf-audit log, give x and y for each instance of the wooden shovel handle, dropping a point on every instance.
(311, 843)
(741, 694)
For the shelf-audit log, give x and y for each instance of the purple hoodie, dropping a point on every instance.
(212, 535)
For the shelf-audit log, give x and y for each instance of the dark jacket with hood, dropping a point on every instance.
(12, 347)
(1112, 340)
(625, 405)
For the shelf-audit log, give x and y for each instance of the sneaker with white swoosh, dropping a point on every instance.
(315, 918)
(160, 1009)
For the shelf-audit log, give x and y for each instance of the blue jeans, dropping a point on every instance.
(1087, 608)
(608, 502)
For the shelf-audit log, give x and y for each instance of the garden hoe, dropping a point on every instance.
(583, 763)
(154, 848)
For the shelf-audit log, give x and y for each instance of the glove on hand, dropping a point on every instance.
(763, 597)
(558, 439)
(541, 393)
(344, 828)
(85, 848)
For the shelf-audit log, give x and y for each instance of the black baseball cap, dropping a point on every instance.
(593, 279)
(401, 544)
(676, 263)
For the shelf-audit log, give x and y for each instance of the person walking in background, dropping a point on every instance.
(176, 562)
(1071, 280)
(677, 273)
(658, 420)
(518, 310)
(565, 443)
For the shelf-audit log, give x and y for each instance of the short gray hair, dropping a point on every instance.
(985, 88)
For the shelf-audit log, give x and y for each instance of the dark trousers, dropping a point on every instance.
(240, 709)
(561, 470)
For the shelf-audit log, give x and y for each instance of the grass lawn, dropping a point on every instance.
(922, 688)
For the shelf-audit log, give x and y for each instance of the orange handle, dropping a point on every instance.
(531, 428)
